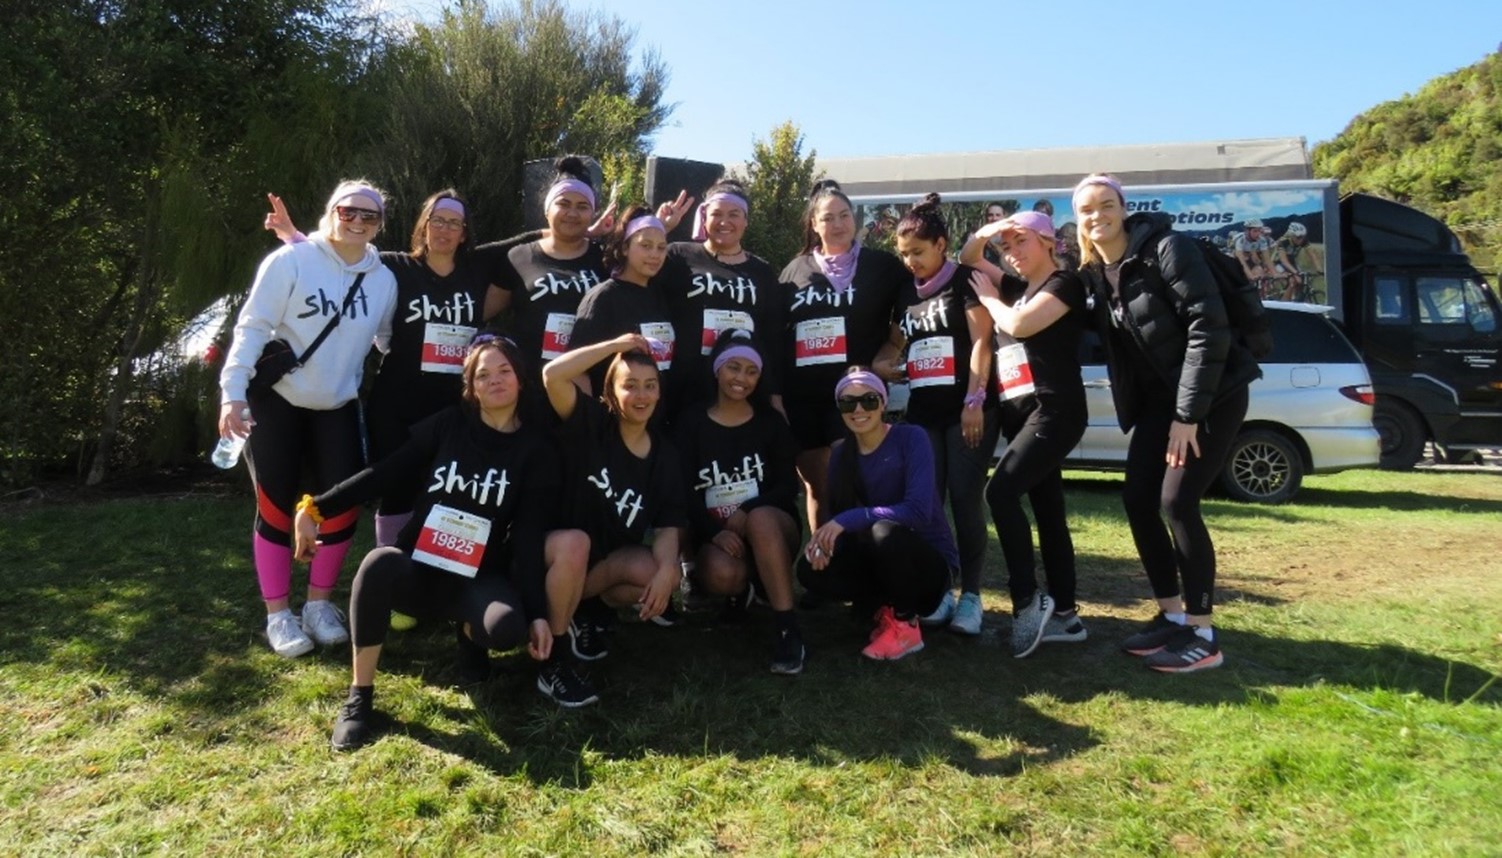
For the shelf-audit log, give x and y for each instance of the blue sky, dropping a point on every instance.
(887, 78)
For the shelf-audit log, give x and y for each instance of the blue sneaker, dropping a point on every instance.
(967, 615)
(941, 614)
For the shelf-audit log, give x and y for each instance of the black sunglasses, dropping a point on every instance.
(866, 401)
(349, 213)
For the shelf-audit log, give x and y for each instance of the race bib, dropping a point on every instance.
(1014, 375)
(819, 341)
(723, 499)
(452, 540)
(444, 347)
(556, 333)
(662, 349)
(930, 362)
(718, 320)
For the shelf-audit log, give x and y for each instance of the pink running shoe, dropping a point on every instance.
(895, 640)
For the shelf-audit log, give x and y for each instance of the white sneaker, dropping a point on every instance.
(286, 637)
(324, 623)
(941, 614)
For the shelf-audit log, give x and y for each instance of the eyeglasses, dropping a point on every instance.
(349, 213)
(865, 402)
(447, 223)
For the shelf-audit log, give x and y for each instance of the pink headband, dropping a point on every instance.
(563, 186)
(448, 204)
(702, 212)
(1038, 222)
(865, 377)
(636, 225)
(1105, 181)
(742, 352)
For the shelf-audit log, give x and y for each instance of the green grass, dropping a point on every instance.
(1358, 711)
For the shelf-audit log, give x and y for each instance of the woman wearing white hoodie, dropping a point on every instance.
(310, 415)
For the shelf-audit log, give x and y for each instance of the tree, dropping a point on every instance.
(778, 179)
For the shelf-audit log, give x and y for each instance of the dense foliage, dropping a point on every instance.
(1438, 150)
(778, 178)
(140, 140)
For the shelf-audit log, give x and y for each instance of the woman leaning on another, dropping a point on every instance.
(310, 414)
(1179, 379)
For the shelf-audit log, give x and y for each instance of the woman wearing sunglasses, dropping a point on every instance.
(886, 546)
(311, 413)
(712, 284)
(473, 551)
(840, 297)
(623, 481)
(941, 345)
(1039, 318)
(738, 457)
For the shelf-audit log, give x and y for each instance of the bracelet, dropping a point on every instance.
(308, 506)
(975, 398)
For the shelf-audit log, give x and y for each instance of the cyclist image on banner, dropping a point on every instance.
(1304, 261)
(1253, 248)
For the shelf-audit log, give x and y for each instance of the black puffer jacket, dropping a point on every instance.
(1173, 313)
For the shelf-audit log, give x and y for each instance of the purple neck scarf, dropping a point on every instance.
(930, 287)
(839, 269)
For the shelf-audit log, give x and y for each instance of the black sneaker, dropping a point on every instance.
(788, 653)
(1153, 636)
(587, 640)
(1186, 652)
(353, 726)
(561, 684)
(668, 618)
(471, 661)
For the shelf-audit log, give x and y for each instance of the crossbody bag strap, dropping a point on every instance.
(334, 322)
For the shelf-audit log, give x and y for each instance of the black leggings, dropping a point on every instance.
(1036, 445)
(886, 565)
(388, 580)
(1182, 550)
(285, 440)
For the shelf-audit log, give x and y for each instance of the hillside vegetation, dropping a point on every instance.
(1439, 150)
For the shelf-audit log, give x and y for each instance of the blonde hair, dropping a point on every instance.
(344, 189)
(1088, 252)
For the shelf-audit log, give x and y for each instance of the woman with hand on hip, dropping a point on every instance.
(1039, 318)
(332, 290)
(1179, 378)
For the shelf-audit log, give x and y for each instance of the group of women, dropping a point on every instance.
(564, 422)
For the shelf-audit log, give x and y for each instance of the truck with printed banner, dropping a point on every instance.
(1423, 319)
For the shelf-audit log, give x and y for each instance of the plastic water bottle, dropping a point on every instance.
(227, 452)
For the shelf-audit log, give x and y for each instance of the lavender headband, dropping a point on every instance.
(563, 186)
(701, 214)
(865, 377)
(636, 225)
(743, 352)
(448, 204)
(1105, 181)
(368, 193)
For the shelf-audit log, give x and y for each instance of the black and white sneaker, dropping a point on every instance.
(1153, 636)
(1186, 652)
(1067, 629)
(587, 640)
(668, 618)
(788, 653)
(1028, 625)
(353, 726)
(561, 684)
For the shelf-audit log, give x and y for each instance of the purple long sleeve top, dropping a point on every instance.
(901, 486)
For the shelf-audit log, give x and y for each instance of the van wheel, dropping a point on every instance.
(1403, 434)
(1263, 467)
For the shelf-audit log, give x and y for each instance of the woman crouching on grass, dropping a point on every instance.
(473, 549)
(1039, 318)
(887, 546)
(623, 481)
(1179, 379)
(738, 455)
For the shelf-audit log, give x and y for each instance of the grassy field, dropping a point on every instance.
(1358, 711)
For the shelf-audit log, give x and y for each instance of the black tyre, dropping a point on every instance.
(1263, 467)
(1403, 434)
